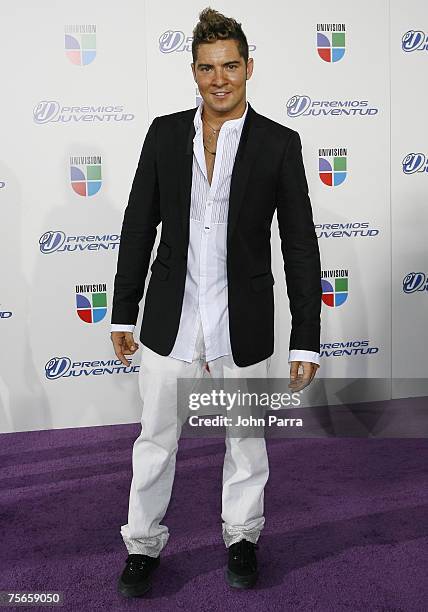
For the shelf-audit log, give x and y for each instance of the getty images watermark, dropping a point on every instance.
(327, 407)
(237, 404)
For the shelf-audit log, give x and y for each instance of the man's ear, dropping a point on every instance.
(249, 68)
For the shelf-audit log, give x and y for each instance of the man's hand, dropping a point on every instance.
(123, 343)
(299, 381)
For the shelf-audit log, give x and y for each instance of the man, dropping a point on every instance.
(213, 177)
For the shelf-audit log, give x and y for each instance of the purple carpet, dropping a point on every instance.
(346, 523)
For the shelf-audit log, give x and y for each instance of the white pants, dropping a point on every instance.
(245, 468)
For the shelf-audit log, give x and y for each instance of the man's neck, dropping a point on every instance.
(219, 118)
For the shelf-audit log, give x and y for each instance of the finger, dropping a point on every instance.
(310, 370)
(303, 380)
(126, 350)
(118, 349)
(123, 359)
(294, 369)
(296, 386)
(131, 345)
(307, 371)
(295, 377)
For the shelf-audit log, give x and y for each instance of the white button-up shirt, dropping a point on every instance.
(205, 292)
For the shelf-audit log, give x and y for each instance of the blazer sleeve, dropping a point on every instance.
(141, 218)
(299, 245)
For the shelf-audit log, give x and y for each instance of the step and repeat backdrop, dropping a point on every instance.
(81, 83)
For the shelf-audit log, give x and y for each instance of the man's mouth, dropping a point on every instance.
(221, 94)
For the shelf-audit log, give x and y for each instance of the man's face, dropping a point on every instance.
(220, 69)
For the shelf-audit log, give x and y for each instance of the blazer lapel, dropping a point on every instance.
(185, 167)
(249, 146)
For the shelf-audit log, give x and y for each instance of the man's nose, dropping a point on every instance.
(219, 77)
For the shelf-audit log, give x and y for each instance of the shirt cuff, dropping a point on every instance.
(122, 328)
(298, 355)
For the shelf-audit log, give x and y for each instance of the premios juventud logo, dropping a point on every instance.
(332, 164)
(415, 162)
(65, 367)
(414, 40)
(331, 41)
(85, 174)
(415, 281)
(56, 241)
(5, 313)
(334, 285)
(172, 41)
(305, 106)
(91, 302)
(80, 44)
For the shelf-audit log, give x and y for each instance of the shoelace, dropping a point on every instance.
(136, 564)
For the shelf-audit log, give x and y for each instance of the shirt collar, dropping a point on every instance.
(231, 124)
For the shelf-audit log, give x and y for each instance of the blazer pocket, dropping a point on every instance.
(159, 270)
(164, 251)
(262, 281)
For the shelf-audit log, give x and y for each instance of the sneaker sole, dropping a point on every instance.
(241, 582)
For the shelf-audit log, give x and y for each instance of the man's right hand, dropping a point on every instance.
(123, 343)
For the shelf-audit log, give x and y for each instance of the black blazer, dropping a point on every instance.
(268, 174)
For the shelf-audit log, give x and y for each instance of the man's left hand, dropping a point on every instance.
(300, 380)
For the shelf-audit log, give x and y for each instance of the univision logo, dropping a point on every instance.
(414, 40)
(332, 166)
(85, 174)
(331, 41)
(335, 290)
(80, 44)
(415, 162)
(91, 302)
(304, 106)
(63, 367)
(415, 281)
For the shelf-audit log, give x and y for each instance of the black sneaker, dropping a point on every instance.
(242, 566)
(134, 580)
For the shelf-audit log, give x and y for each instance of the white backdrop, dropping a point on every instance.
(80, 86)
